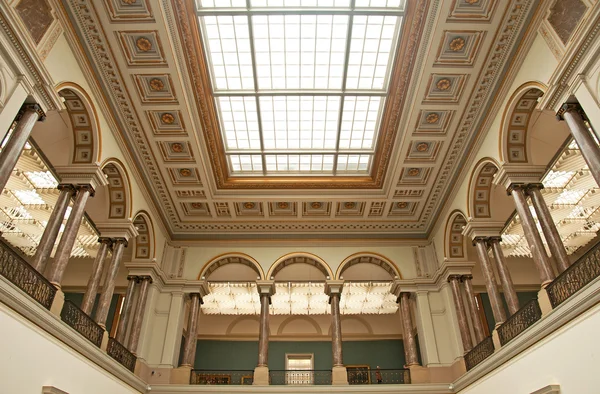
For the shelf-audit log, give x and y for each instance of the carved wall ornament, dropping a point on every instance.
(156, 84)
(422, 147)
(167, 118)
(413, 171)
(129, 2)
(457, 44)
(315, 205)
(283, 205)
(177, 147)
(185, 172)
(143, 44)
(401, 204)
(472, 1)
(432, 118)
(249, 205)
(443, 84)
(349, 205)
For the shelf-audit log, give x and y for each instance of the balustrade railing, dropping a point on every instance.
(300, 377)
(520, 321)
(222, 377)
(364, 375)
(483, 350)
(121, 354)
(574, 278)
(82, 323)
(14, 268)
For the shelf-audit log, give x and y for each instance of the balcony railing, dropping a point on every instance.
(14, 268)
(300, 377)
(120, 353)
(520, 321)
(479, 353)
(381, 376)
(574, 278)
(82, 323)
(223, 377)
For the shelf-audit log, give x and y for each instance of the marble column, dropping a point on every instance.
(574, 116)
(65, 246)
(463, 325)
(336, 330)
(138, 317)
(28, 115)
(477, 325)
(89, 298)
(510, 295)
(534, 240)
(44, 249)
(189, 346)
(410, 342)
(263, 331)
(121, 335)
(119, 245)
(555, 244)
(490, 280)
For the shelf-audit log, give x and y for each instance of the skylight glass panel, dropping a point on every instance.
(300, 85)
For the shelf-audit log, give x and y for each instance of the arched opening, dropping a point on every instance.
(232, 267)
(144, 242)
(299, 267)
(367, 266)
(454, 247)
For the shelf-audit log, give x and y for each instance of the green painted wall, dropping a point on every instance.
(523, 296)
(77, 299)
(243, 355)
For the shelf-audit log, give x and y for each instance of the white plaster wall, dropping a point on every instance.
(569, 357)
(32, 358)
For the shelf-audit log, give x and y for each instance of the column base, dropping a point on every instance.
(261, 376)
(419, 374)
(181, 375)
(58, 303)
(339, 376)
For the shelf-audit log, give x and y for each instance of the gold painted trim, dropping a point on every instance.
(150, 225)
(472, 183)
(299, 254)
(233, 254)
(448, 232)
(380, 256)
(123, 170)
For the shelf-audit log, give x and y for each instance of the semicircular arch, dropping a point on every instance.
(369, 258)
(230, 258)
(307, 319)
(145, 242)
(119, 189)
(300, 258)
(480, 188)
(454, 240)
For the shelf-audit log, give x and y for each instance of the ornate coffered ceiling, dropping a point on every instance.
(148, 58)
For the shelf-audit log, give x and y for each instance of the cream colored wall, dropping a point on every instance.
(32, 359)
(401, 256)
(568, 357)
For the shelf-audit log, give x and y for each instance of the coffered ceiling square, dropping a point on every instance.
(350, 208)
(155, 88)
(248, 208)
(403, 208)
(282, 208)
(316, 208)
(222, 209)
(414, 176)
(184, 176)
(129, 10)
(433, 121)
(445, 87)
(423, 151)
(459, 47)
(176, 151)
(471, 10)
(190, 193)
(377, 208)
(166, 122)
(195, 208)
(142, 48)
(408, 193)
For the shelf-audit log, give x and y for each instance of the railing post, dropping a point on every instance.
(58, 303)
(544, 301)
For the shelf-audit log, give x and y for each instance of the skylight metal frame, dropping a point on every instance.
(342, 93)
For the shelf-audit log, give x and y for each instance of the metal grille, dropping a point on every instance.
(574, 278)
(520, 321)
(14, 268)
(222, 377)
(300, 377)
(479, 353)
(365, 375)
(82, 323)
(120, 353)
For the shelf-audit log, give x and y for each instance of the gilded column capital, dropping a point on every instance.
(119, 241)
(85, 187)
(570, 107)
(516, 186)
(466, 277)
(534, 186)
(105, 240)
(32, 107)
(67, 186)
(480, 240)
(452, 278)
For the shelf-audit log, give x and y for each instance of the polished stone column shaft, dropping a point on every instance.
(138, 317)
(463, 325)
(263, 331)
(410, 342)
(510, 295)
(189, 346)
(67, 240)
(92, 287)
(9, 155)
(336, 330)
(44, 249)
(490, 280)
(126, 311)
(572, 114)
(477, 325)
(557, 248)
(534, 240)
(119, 245)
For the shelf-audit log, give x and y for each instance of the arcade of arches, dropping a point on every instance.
(272, 192)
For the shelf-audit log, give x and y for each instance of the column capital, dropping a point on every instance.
(105, 240)
(85, 187)
(145, 278)
(67, 186)
(452, 278)
(570, 107)
(494, 239)
(534, 186)
(466, 277)
(119, 240)
(481, 239)
(90, 174)
(32, 107)
(516, 186)
(194, 295)
(479, 228)
(333, 287)
(121, 229)
(265, 288)
(133, 277)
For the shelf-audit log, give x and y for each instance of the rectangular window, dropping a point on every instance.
(299, 369)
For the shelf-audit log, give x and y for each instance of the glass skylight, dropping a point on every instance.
(300, 86)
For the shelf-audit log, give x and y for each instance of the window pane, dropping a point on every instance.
(239, 122)
(360, 122)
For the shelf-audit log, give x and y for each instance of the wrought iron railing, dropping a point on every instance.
(365, 375)
(520, 321)
(300, 377)
(235, 377)
(14, 268)
(574, 278)
(81, 322)
(120, 353)
(483, 350)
